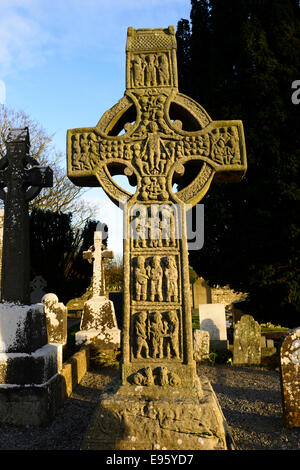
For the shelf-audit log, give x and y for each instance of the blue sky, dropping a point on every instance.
(63, 63)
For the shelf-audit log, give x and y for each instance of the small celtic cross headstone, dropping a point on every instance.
(97, 255)
(164, 131)
(23, 179)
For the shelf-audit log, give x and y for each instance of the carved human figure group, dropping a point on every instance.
(149, 279)
(156, 335)
(150, 70)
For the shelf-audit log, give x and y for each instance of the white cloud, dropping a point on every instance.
(23, 41)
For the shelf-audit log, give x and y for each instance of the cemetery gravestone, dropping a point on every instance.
(164, 131)
(212, 318)
(247, 341)
(290, 378)
(23, 179)
(37, 287)
(98, 323)
(28, 364)
(201, 345)
(56, 319)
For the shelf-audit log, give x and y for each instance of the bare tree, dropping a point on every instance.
(64, 196)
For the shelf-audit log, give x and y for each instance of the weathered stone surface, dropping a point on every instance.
(201, 345)
(164, 130)
(247, 341)
(212, 318)
(26, 369)
(56, 317)
(290, 378)
(22, 328)
(30, 405)
(156, 418)
(99, 325)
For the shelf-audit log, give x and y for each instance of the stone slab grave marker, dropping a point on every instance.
(98, 324)
(247, 341)
(290, 378)
(164, 133)
(212, 318)
(29, 378)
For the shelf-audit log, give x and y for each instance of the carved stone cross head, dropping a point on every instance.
(154, 135)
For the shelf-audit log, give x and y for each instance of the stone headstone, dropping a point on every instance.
(212, 318)
(201, 345)
(56, 318)
(29, 379)
(201, 292)
(290, 378)
(158, 371)
(247, 341)
(23, 179)
(98, 325)
(37, 289)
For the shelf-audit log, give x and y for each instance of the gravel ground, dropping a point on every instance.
(250, 398)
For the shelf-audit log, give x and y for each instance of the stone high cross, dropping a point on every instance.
(24, 178)
(96, 255)
(164, 134)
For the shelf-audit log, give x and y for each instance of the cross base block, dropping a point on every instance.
(157, 418)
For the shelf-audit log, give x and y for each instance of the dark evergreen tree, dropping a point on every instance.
(56, 252)
(239, 58)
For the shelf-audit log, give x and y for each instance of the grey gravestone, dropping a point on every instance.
(56, 318)
(37, 287)
(290, 378)
(201, 345)
(247, 341)
(23, 179)
(212, 318)
(98, 323)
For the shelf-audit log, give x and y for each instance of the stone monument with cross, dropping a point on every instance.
(98, 325)
(154, 135)
(29, 379)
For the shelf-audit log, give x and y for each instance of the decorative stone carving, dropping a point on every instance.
(152, 153)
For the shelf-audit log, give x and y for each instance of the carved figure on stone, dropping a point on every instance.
(172, 335)
(150, 71)
(139, 227)
(163, 376)
(171, 274)
(163, 70)
(141, 335)
(155, 276)
(138, 71)
(154, 228)
(156, 331)
(167, 226)
(141, 279)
